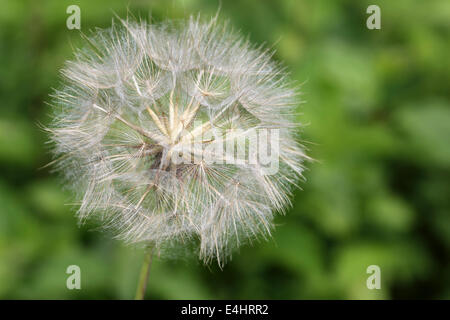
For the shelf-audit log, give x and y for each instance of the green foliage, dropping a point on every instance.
(378, 123)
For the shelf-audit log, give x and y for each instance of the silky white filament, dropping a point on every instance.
(141, 126)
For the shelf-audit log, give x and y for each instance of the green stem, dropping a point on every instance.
(145, 271)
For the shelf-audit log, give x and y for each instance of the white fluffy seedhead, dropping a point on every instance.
(137, 95)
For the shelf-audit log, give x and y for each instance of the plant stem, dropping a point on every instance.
(145, 272)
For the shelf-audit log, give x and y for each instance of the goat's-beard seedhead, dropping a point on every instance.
(141, 126)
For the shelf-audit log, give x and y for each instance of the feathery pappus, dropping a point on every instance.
(142, 126)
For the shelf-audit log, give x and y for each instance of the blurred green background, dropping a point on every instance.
(378, 123)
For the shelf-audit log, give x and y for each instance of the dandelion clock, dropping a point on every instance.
(177, 135)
